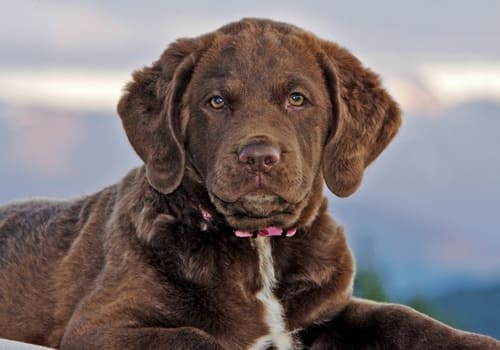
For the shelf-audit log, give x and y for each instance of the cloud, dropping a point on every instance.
(432, 63)
(62, 27)
(430, 88)
(455, 82)
(387, 24)
(78, 89)
(43, 141)
(414, 96)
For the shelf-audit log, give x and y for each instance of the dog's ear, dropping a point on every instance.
(365, 119)
(150, 113)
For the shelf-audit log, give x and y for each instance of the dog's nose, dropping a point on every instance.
(259, 157)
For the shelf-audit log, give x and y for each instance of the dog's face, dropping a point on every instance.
(261, 112)
(258, 119)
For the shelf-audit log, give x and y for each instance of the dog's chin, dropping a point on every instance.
(250, 223)
(257, 211)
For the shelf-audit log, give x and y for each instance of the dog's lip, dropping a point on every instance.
(251, 192)
(270, 216)
(284, 216)
(242, 211)
(254, 193)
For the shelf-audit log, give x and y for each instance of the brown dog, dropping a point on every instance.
(238, 130)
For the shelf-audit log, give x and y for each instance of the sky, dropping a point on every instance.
(439, 52)
(428, 207)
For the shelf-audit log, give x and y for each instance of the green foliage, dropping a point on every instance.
(423, 305)
(368, 285)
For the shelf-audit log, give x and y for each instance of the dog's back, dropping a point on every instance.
(29, 243)
(36, 239)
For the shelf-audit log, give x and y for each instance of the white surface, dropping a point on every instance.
(14, 345)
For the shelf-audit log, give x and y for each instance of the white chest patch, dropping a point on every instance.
(278, 336)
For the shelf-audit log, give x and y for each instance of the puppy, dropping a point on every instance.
(221, 240)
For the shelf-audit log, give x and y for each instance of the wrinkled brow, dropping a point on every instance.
(296, 80)
(222, 84)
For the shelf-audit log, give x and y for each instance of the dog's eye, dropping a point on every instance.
(297, 100)
(217, 102)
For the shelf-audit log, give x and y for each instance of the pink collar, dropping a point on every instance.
(266, 232)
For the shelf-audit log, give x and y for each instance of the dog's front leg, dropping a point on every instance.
(104, 338)
(368, 325)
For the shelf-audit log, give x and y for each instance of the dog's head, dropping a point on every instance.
(262, 113)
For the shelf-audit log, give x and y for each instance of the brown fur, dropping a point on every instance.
(136, 266)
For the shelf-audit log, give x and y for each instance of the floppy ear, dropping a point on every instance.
(150, 113)
(366, 118)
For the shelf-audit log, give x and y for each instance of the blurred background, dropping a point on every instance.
(425, 224)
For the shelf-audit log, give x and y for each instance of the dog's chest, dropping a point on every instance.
(278, 337)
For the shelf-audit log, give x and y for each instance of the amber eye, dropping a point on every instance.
(217, 102)
(296, 99)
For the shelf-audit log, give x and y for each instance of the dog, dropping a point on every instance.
(221, 239)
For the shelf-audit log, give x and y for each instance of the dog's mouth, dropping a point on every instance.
(258, 212)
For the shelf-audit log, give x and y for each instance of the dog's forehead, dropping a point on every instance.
(247, 56)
